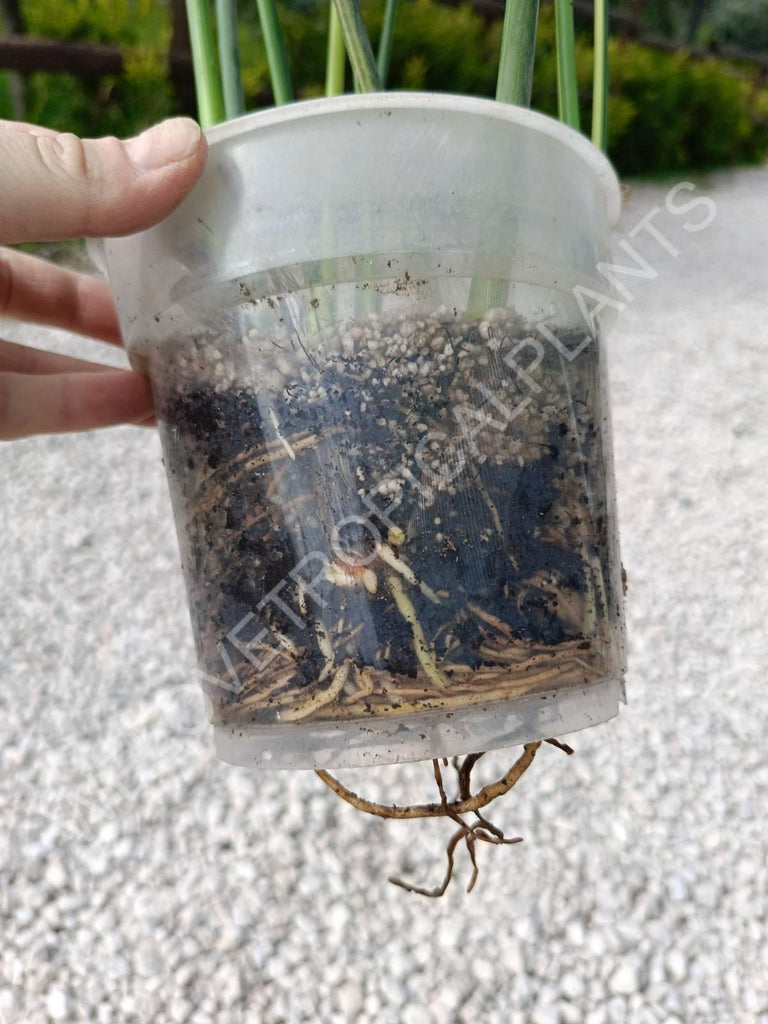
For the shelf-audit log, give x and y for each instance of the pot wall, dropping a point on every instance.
(385, 428)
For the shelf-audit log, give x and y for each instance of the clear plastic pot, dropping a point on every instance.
(381, 398)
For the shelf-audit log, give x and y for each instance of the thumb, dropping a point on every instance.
(55, 185)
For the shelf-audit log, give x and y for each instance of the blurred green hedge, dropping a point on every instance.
(109, 104)
(667, 113)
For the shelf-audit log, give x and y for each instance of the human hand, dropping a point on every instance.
(55, 186)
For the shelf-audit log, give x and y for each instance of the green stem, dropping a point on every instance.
(385, 42)
(277, 58)
(358, 45)
(600, 77)
(518, 49)
(337, 57)
(518, 46)
(229, 57)
(210, 101)
(567, 90)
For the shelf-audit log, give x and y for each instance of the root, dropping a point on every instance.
(319, 700)
(383, 696)
(560, 745)
(435, 893)
(326, 649)
(474, 803)
(482, 830)
(364, 679)
(386, 554)
(420, 645)
(485, 494)
(489, 619)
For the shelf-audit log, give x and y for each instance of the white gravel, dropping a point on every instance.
(143, 881)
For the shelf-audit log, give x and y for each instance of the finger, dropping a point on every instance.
(71, 401)
(23, 359)
(37, 291)
(55, 185)
(29, 129)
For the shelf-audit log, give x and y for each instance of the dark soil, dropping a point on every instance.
(503, 559)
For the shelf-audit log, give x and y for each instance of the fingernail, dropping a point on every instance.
(164, 144)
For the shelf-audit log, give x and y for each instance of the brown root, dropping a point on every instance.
(482, 830)
(474, 803)
(440, 890)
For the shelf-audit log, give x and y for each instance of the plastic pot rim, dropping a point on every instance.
(579, 144)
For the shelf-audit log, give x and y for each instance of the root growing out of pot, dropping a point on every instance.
(481, 830)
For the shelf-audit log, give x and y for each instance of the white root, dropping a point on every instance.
(319, 700)
(370, 581)
(420, 646)
(386, 554)
(341, 576)
(326, 649)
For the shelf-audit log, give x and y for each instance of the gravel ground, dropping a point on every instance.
(143, 881)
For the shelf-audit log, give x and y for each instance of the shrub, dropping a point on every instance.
(667, 112)
(6, 101)
(120, 105)
(742, 23)
(679, 113)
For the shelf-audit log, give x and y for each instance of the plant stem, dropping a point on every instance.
(385, 42)
(337, 57)
(513, 85)
(567, 89)
(210, 101)
(518, 48)
(600, 77)
(229, 57)
(277, 58)
(358, 45)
